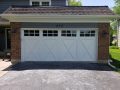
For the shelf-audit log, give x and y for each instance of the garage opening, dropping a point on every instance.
(39, 44)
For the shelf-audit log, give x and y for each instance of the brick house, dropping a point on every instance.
(50, 30)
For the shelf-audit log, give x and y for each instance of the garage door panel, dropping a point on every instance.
(91, 49)
(29, 51)
(86, 49)
(49, 46)
(70, 47)
(59, 48)
(83, 55)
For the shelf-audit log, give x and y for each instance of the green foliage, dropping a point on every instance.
(114, 47)
(115, 53)
(74, 3)
(114, 25)
(117, 2)
(113, 29)
(115, 56)
(112, 32)
(116, 8)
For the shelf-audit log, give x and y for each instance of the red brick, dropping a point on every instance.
(103, 41)
(15, 41)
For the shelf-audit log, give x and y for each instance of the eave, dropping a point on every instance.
(59, 18)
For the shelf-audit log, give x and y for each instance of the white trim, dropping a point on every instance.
(60, 28)
(66, 2)
(40, 1)
(58, 18)
(57, 15)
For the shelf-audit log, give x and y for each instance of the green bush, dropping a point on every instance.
(114, 47)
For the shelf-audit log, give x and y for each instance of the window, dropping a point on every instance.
(40, 2)
(45, 4)
(50, 33)
(68, 33)
(87, 33)
(35, 3)
(31, 33)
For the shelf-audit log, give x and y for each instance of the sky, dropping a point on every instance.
(109, 3)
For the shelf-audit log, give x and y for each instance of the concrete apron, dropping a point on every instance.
(4, 67)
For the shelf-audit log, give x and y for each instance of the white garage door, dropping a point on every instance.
(59, 44)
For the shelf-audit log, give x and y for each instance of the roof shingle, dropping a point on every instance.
(66, 10)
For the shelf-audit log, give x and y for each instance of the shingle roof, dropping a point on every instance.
(66, 10)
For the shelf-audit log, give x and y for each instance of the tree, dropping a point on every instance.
(74, 2)
(113, 29)
(117, 2)
(116, 8)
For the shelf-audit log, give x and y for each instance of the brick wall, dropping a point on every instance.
(103, 42)
(15, 42)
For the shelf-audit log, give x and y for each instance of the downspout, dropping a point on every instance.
(109, 63)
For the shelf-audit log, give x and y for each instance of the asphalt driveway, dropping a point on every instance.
(60, 76)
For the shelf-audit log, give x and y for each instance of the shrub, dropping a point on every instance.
(114, 47)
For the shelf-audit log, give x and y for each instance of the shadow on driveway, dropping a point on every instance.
(61, 65)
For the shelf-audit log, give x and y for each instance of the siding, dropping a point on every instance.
(59, 25)
(58, 2)
(4, 4)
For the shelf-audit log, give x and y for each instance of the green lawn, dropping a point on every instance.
(115, 56)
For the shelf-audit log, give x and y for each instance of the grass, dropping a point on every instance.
(115, 56)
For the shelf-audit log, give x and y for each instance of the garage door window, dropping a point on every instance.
(87, 33)
(45, 4)
(31, 33)
(50, 33)
(68, 33)
(35, 3)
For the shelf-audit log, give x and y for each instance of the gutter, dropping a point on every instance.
(57, 15)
